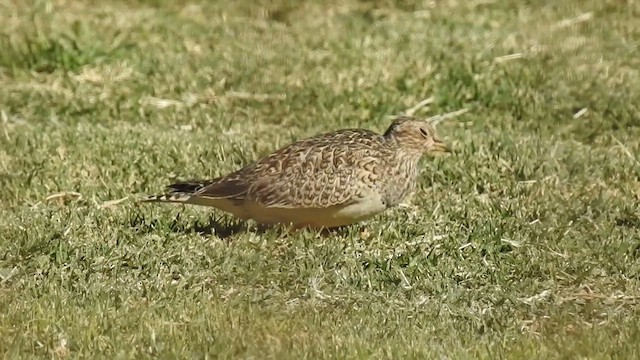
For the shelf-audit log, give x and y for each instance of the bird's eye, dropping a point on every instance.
(424, 132)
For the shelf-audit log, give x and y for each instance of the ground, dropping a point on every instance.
(523, 243)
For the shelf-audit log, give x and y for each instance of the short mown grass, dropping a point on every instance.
(524, 243)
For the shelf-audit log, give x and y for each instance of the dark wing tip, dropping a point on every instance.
(154, 198)
(171, 197)
(190, 186)
(225, 188)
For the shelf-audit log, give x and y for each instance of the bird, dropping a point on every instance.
(327, 181)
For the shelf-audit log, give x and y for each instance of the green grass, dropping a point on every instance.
(525, 243)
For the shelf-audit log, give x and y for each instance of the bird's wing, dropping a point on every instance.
(190, 186)
(318, 177)
(328, 170)
(225, 188)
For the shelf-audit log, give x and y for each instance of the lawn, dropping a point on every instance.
(522, 243)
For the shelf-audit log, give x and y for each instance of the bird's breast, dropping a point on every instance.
(400, 183)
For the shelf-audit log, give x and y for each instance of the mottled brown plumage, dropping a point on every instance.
(330, 180)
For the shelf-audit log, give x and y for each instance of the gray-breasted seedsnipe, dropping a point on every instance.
(326, 181)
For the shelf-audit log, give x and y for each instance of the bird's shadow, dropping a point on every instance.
(221, 227)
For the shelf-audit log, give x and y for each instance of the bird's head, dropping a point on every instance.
(415, 135)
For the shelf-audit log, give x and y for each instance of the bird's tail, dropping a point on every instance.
(174, 197)
(180, 192)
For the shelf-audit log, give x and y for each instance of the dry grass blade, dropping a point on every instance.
(626, 150)
(257, 97)
(64, 195)
(580, 113)
(510, 57)
(411, 111)
(437, 119)
(572, 21)
(111, 203)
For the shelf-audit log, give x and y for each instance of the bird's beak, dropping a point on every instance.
(439, 146)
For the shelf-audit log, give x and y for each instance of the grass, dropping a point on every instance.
(525, 243)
